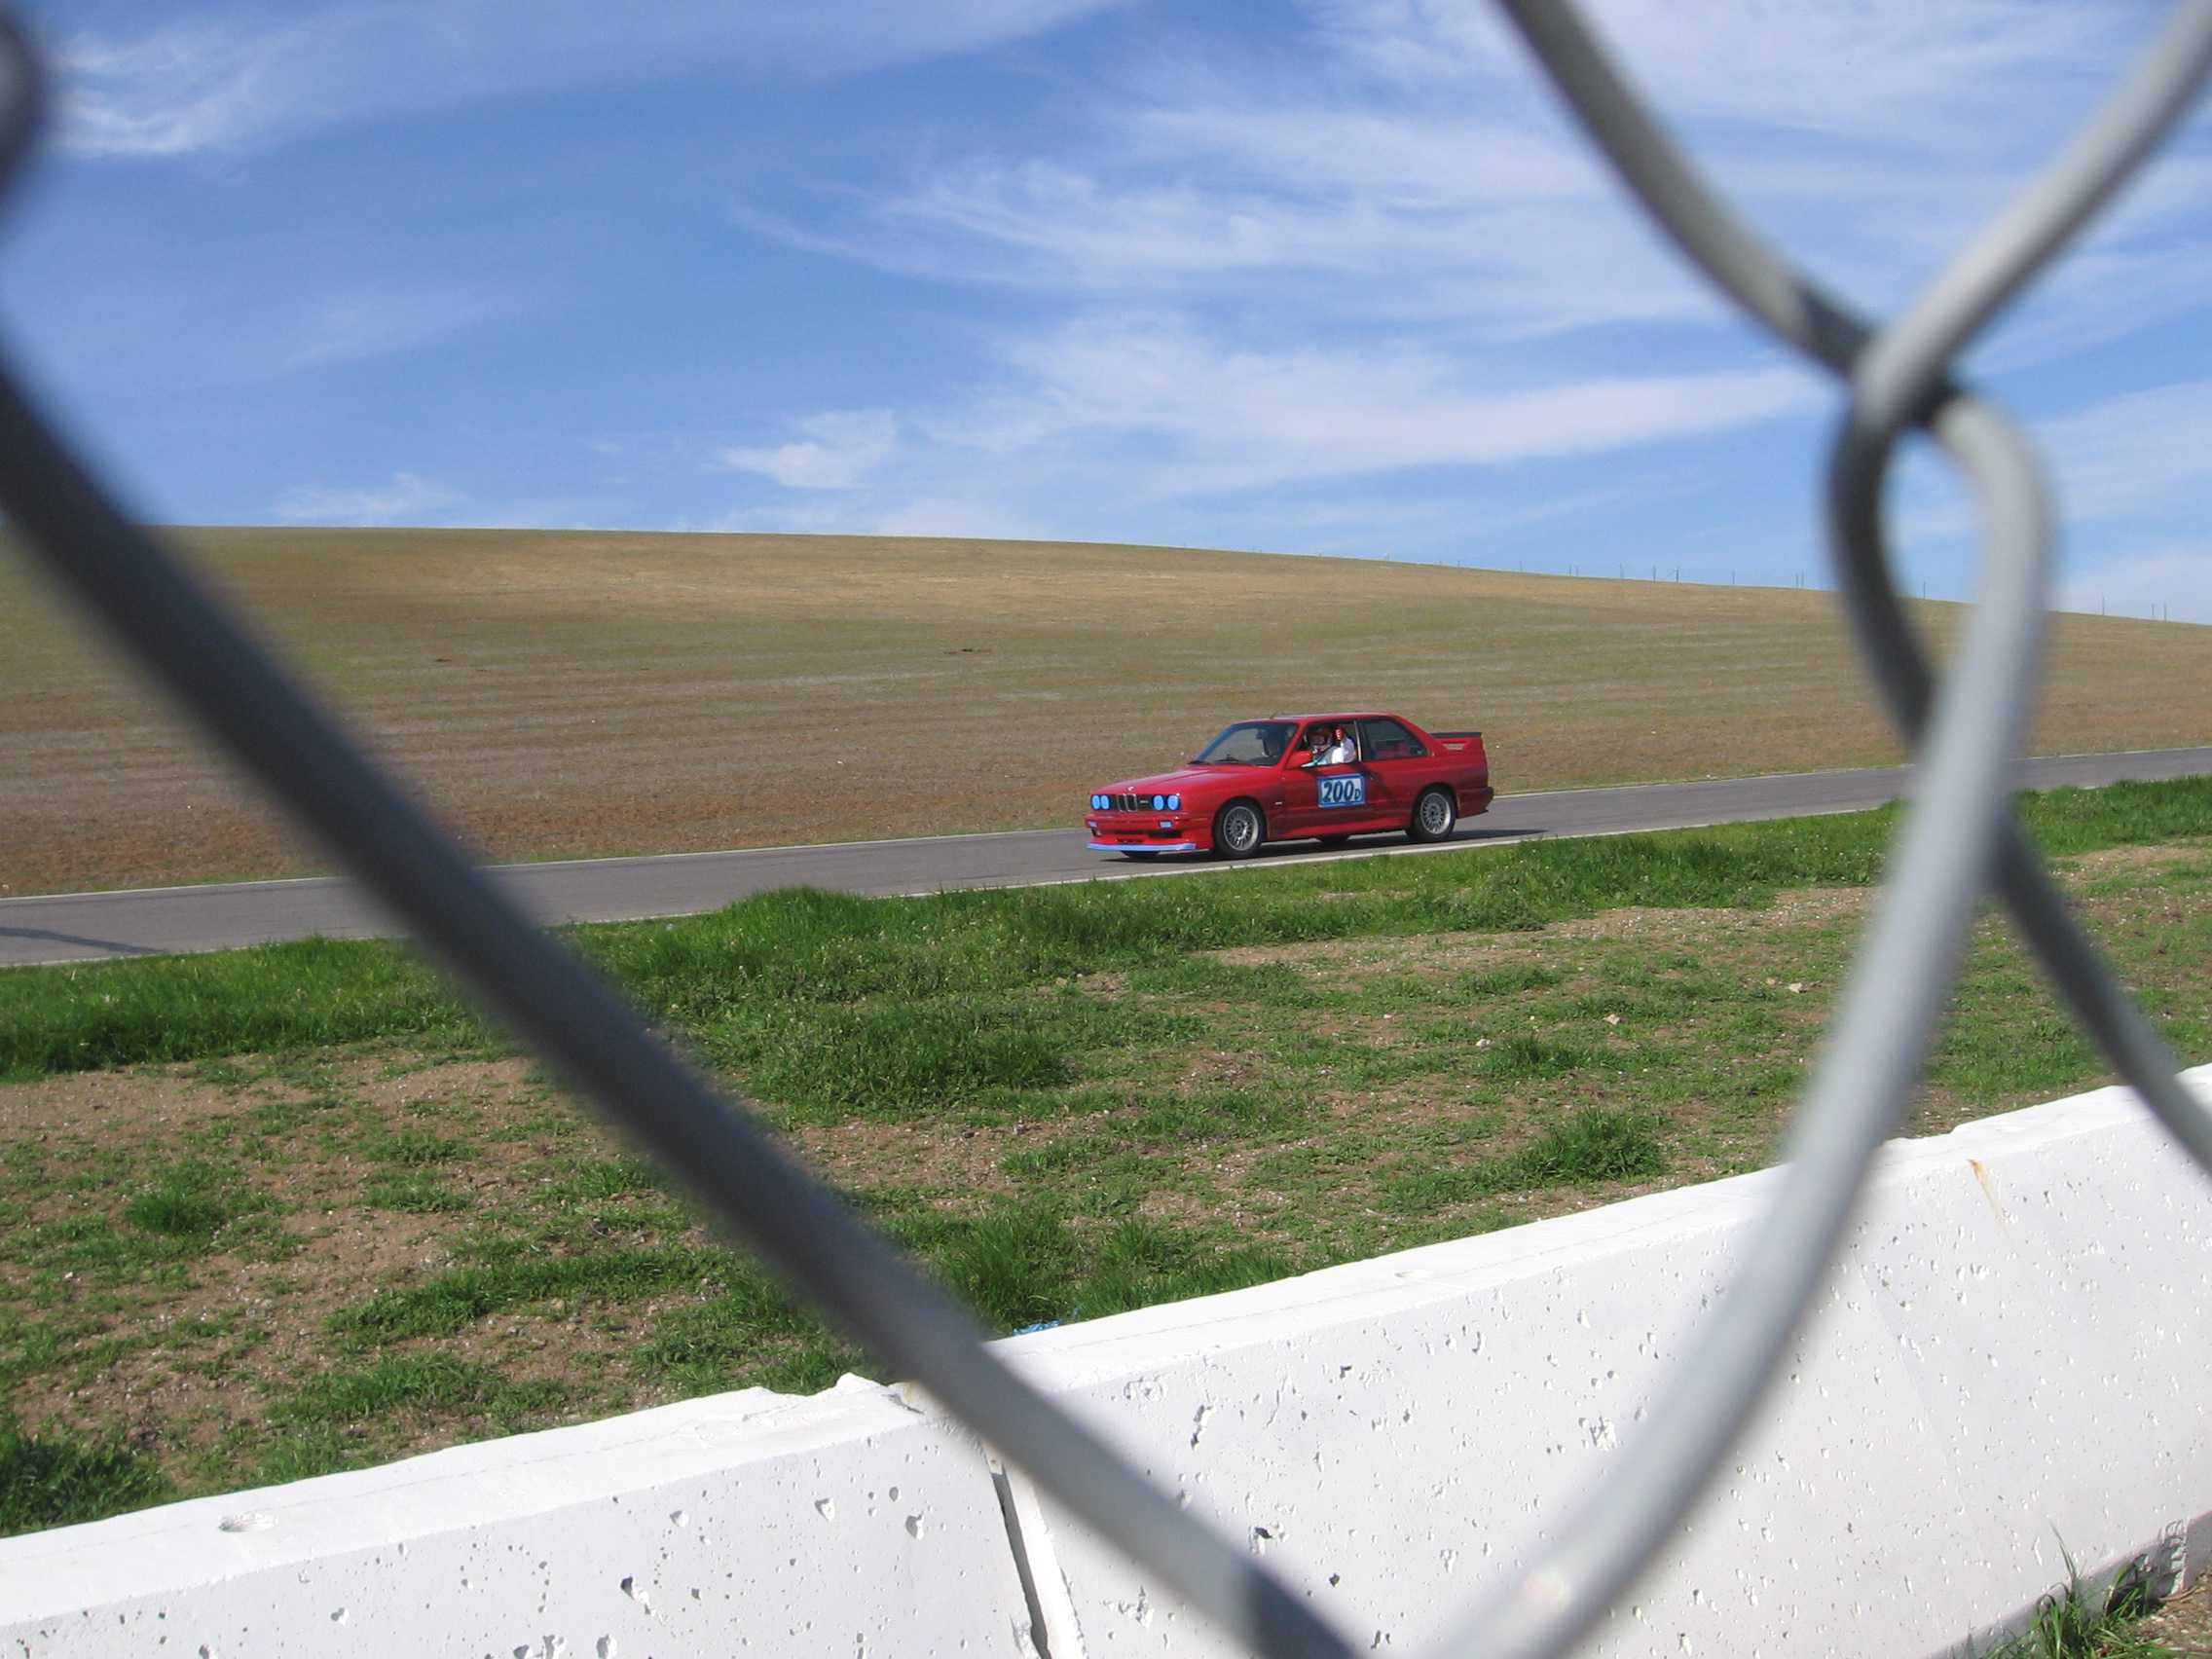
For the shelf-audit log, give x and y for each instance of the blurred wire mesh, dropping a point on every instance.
(1958, 842)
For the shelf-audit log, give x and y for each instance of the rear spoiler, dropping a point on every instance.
(1440, 735)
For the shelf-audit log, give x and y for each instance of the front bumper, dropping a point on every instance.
(1145, 832)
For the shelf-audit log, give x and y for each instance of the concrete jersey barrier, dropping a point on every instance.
(2013, 1356)
(2010, 1357)
(745, 1523)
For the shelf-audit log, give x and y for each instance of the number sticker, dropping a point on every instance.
(1351, 790)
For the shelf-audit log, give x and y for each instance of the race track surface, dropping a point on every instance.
(146, 922)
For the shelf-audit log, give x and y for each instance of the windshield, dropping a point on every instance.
(1254, 743)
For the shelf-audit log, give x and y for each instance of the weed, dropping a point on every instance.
(1585, 1149)
(56, 1479)
(185, 1206)
(1522, 1056)
(2073, 1622)
(414, 1149)
(413, 1194)
(453, 1301)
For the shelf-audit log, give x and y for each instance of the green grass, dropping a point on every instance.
(453, 1301)
(306, 994)
(56, 1479)
(1585, 1149)
(355, 1394)
(833, 1002)
(414, 1194)
(2077, 1621)
(1064, 1103)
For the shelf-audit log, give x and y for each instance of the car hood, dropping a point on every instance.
(1185, 779)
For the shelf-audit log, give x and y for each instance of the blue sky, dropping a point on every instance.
(1329, 278)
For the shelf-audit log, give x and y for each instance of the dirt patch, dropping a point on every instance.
(206, 1343)
(2185, 1623)
(958, 1162)
(1456, 952)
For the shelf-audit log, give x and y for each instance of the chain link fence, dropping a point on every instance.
(1958, 843)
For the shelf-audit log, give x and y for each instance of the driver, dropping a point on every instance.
(1339, 751)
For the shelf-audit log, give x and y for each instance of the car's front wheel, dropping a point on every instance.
(1434, 815)
(1239, 831)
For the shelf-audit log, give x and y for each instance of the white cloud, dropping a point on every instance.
(1404, 160)
(180, 88)
(246, 73)
(1226, 417)
(2173, 582)
(370, 322)
(2132, 454)
(405, 499)
(1147, 426)
(2139, 453)
(1877, 71)
(840, 449)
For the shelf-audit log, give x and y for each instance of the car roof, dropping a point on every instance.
(1354, 714)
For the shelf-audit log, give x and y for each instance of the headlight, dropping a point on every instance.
(1175, 803)
(1098, 804)
(1159, 803)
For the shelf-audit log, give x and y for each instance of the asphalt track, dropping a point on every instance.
(157, 921)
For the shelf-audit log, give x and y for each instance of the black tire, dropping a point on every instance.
(1239, 831)
(1335, 840)
(1435, 816)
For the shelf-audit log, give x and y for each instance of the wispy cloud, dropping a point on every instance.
(840, 449)
(365, 322)
(2134, 454)
(1150, 419)
(405, 499)
(1236, 418)
(2129, 456)
(250, 73)
(1880, 72)
(1404, 163)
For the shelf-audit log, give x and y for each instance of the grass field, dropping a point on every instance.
(575, 694)
(291, 1209)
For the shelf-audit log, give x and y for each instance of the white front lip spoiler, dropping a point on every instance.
(1144, 846)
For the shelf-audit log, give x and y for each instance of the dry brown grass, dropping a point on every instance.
(575, 694)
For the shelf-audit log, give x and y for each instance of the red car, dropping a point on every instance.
(1292, 777)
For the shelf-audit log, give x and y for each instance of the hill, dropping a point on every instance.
(573, 694)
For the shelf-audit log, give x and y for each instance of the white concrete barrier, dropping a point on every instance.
(2013, 1354)
(748, 1523)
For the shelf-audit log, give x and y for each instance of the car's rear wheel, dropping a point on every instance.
(1239, 831)
(1435, 815)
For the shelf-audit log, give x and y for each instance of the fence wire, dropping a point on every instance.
(1958, 842)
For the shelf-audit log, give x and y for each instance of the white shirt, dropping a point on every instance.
(1338, 754)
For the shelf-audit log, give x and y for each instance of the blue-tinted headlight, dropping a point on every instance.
(1175, 803)
(1098, 804)
(1159, 803)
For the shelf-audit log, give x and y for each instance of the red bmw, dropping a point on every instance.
(1298, 777)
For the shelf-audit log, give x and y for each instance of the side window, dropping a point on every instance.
(1388, 740)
